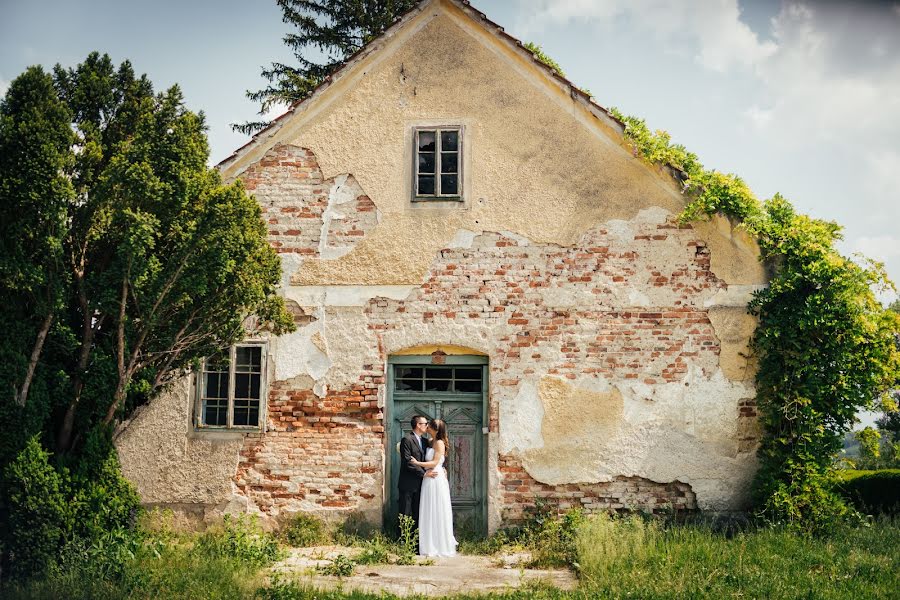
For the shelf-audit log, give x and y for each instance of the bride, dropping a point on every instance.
(435, 513)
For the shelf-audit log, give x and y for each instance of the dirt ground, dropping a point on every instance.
(435, 577)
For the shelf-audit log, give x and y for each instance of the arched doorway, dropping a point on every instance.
(453, 388)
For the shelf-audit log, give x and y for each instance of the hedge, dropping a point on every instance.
(872, 492)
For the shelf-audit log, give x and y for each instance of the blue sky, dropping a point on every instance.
(801, 98)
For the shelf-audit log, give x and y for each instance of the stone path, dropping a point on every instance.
(446, 576)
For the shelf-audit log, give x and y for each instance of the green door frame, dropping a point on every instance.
(389, 449)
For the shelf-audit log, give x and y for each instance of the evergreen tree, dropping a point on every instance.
(328, 32)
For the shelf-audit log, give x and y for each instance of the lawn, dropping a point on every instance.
(616, 558)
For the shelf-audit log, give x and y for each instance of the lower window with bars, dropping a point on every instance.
(231, 388)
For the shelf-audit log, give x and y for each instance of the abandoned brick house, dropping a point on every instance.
(467, 236)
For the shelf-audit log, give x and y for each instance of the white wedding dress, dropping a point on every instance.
(435, 514)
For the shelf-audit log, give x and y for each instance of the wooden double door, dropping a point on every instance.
(456, 392)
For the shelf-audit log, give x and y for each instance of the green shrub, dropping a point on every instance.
(550, 536)
(340, 566)
(104, 500)
(39, 516)
(409, 540)
(304, 530)
(376, 551)
(80, 518)
(242, 539)
(872, 492)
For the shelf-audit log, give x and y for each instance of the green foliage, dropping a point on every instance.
(340, 566)
(409, 540)
(632, 557)
(546, 534)
(57, 517)
(240, 538)
(826, 347)
(869, 440)
(550, 536)
(124, 259)
(542, 57)
(628, 557)
(39, 518)
(872, 492)
(328, 32)
(376, 551)
(304, 530)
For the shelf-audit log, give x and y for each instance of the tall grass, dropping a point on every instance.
(636, 558)
(617, 558)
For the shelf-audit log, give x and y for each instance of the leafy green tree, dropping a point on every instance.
(121, 236)
(35, 143)
(328, 32)
(869, 447)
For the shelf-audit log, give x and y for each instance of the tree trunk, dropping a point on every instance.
(64, 435)
(22, 393)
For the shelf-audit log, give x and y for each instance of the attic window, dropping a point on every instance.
(438, 172)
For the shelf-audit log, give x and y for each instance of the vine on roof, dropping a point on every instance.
(825, 346)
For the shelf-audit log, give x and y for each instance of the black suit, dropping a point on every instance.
(410, 480)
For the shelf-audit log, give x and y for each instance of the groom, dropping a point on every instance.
(413, 446)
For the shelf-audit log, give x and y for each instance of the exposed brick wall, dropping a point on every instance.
(322, 452)
(497, 283)
(287, 182)
(522, 493)
(357, 217)
(326, 453)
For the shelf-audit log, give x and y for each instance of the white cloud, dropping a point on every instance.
(883, 180)
(712, 28)
(4, 85)
(835, 76)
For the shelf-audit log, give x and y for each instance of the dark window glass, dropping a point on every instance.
(216, 385)
(408, 372)
(467, 386)
(409, 385)
(468, 373)
(449, 140)
(248, 359)
(426, 162)
(215, 412)
(449, 162)
(246, 385)
(246, 413)
(439, 372)
(449, 185)
(426, 141)
(437, 385)
(426, 185)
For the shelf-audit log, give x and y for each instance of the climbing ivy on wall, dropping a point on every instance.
(825, 346)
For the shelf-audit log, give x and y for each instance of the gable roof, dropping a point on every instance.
(585, 100)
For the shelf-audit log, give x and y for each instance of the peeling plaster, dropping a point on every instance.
(345, 295)
(300, 353)
(463, 238)
(734, 327)
(517, 434)
(684, 431)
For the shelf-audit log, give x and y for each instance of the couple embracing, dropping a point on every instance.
(424, 488)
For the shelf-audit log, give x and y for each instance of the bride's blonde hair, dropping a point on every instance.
(440, 433)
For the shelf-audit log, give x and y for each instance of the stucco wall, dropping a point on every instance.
(617, 339)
